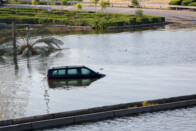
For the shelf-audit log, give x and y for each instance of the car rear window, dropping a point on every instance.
(72, 72)
(58, 72)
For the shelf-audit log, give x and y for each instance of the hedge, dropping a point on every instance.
(186, 2)
(175, 2)
(192, 4)
(182, 2)
(73, 18)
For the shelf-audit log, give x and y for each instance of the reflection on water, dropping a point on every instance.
(66, 84)
(140, 65)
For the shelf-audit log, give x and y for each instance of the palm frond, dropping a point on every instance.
(50, 41)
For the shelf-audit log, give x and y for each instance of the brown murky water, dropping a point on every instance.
(139, 65)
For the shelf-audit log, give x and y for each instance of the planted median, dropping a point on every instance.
(73, 18)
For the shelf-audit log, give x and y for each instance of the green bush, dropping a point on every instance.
(139, 13)
(73, 18)
(187, 2)
(153, 19)
(135, 3)
(175, 2)
(192, 4)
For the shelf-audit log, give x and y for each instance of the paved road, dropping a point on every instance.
(188, 17)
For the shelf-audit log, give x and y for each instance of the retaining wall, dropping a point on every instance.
(94, 114)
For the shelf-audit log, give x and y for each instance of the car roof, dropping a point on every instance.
(63, 67)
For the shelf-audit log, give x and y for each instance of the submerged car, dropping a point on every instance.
(72, 72)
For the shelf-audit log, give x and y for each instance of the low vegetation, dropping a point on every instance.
(143, 104)
(139, 13)
(183, 2)
(79, 6)
(135, 3)
(72, 18)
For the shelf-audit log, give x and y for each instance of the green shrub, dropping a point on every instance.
(161, 19)
(139, 13)
(35, 2)
(135, 3)
(186, 2)
(142, 20)
(132, 21)
(73, 18)
(79, 6)
(175, 2)
(192, 4)
(153, 19)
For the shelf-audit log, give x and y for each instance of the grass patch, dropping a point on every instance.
(73, 18)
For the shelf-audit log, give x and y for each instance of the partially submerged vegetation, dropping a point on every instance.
(73, 18)
(143, 104)
(27, 41)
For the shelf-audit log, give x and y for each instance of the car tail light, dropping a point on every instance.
(47, 78)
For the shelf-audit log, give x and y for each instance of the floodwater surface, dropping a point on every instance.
(172, 120)
(139, 65)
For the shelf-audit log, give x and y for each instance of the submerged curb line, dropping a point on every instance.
(94, 114)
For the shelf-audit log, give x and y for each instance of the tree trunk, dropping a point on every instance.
(14, 37)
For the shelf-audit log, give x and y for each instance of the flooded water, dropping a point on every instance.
(139, 65)
(175, 120)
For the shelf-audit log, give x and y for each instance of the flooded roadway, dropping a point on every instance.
(172, 120)
(139, 65)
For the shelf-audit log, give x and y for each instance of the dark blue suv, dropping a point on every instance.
(72, 72)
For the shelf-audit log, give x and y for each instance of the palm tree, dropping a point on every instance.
(28, 40)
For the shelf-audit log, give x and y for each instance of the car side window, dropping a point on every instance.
(61, 72)
(58, 72)
(85, 71)
(72, 72)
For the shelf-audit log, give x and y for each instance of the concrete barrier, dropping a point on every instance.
(94, 114)
(17, 127)
(93, 117)
(6, 122)
(32, 118)
(52, 123)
